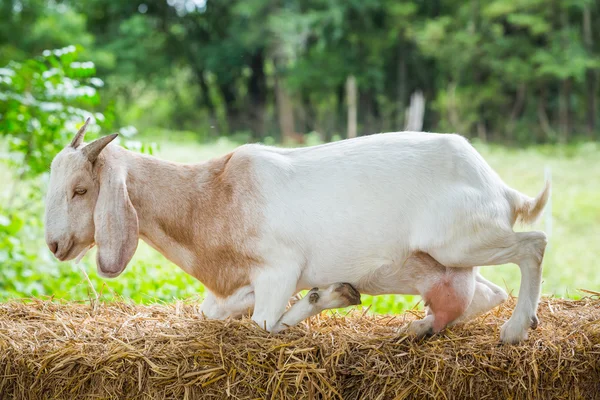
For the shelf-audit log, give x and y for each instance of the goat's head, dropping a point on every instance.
(87, 203)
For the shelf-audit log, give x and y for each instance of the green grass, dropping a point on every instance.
(570, 262)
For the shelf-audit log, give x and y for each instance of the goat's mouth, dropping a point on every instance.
(65, 252)
(73, 251)
(109, 274)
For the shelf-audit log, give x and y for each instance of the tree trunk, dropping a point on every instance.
(204, 100)
(340, 112)
(307, 113)
(593, 89)
(257, 89)
(376, 120)
(543, 116)
(516, 112)
(285, 111)
(351, 95)
(401, 89)
(564, 99)
(591, 77)
(474, 28)
(564, 110)
(481, 131)
(365, 102)
(232, 112)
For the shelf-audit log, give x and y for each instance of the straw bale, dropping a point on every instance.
(51, 350)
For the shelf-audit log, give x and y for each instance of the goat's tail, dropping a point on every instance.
(526, 209)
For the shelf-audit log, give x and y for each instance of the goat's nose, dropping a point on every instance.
(53, 246)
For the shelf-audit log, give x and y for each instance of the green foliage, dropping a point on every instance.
(41, 101)
(14, 256)
(505, 71)
(517, 72)
(502, 56)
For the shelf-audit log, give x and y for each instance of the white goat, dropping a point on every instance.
(405, 213)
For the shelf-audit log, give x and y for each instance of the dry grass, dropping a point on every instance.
(117, 350)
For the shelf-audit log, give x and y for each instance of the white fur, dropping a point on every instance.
(354, 211)
(233, 306)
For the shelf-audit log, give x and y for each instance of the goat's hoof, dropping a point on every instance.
(427, 334)
(534, 322)
(349, 293)
(513, 332)
(420, 328)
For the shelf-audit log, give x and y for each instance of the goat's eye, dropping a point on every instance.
(80, 191)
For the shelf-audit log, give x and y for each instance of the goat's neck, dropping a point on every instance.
(203, 217)
(169, 200)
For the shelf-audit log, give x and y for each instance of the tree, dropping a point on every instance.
(500, 70)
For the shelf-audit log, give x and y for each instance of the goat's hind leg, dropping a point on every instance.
(526, 249)
(316, 300)
(487, 296)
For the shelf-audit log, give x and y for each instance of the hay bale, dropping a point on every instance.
(117, 350)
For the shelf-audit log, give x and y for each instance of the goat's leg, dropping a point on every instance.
(493, 287)
(233, 306)
(273, 289)
(487, 296)
(526, 249)
(337, 295)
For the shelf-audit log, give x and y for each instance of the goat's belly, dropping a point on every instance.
(387, 279)
(370, 275)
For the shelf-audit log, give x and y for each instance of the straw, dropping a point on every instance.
(51, 350)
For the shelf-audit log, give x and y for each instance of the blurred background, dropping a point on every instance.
(187, 80)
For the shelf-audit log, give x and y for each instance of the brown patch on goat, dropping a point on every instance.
(204, 217)
(230, 207)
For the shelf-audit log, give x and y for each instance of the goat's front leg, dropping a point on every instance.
(337, 295)
(272, 291)
(233, 306)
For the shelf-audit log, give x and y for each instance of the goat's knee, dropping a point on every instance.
(533, 246)
(210, 308)
(233, 306)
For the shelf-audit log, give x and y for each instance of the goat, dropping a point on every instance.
(397, 213)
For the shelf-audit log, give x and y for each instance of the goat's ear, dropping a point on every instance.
(92, 150)
(78, 139)
(116, 222)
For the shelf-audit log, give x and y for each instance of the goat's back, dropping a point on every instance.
(372, 199)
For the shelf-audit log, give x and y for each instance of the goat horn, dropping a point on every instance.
(92, 150)
(78, 139)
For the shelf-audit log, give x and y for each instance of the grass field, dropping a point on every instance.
(572, 222)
